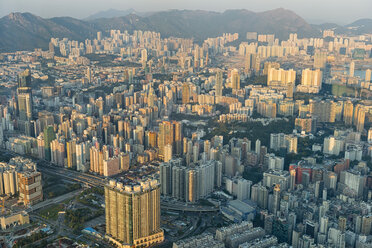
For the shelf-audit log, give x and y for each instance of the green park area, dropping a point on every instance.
(251, 130)
(76, 218)
(344, 90)
(54, 186)
(51, 212)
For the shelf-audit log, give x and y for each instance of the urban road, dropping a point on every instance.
(93, 181)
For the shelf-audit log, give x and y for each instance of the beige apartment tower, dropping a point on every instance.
(133, 213)
(30, 188)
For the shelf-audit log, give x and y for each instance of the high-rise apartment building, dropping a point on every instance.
(170, 133)
(348, 113)
(280, 77)
(352, 69)
(144, 56)
(311, 81)
(133, 213)
(306, 124)
(235, 79)
(20, 176)
(57, 149)
(89, 74)
(368, 75)
(320, 60)
(168, 152)
(49, 136)
(24, 79)
(190, 183)
(219, 83)
(359, 117)
(281, 140)
(269, 65)
(71, 154)
(252, 63)
(325, 111)
(24, 103)
(185, 93)
(30, 189)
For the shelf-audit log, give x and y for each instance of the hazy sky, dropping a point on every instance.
(340, 11)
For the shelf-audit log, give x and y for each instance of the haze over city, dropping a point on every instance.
(185, 124)
(315, 11)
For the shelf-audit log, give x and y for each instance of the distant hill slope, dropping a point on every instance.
(200, 24)
(24, 31)
(361, 26)
(112, 13)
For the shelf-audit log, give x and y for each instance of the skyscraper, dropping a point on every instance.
(71, 153)
(177, 127)
(133, 213)
(235, 79)
(219, 82)
(258, 147)
(165, 136)
(348, 113)
(185, 93)
(24, 79)
(276, 202)
(359, 117)
(168, 153)
(144, 56)
(24, 96)
(30, 187)
(89, 75)
(151, 97)
(99, 35)
(170, 133)
(49, 136)
(320, 60)
(24, 104)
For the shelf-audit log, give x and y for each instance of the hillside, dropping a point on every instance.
(200, 24)
(112, 13)
(361, 26)
(24, 31)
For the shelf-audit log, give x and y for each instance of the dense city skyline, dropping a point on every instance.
(316, 11)
(185, 129)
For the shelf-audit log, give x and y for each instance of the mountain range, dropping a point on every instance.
(111, 13)
(25, 31)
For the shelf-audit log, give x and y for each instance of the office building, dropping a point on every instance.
(49, 136)
(24, 96)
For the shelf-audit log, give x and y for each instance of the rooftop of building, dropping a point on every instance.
(244, 207)
(277, 172)
(134, 186)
